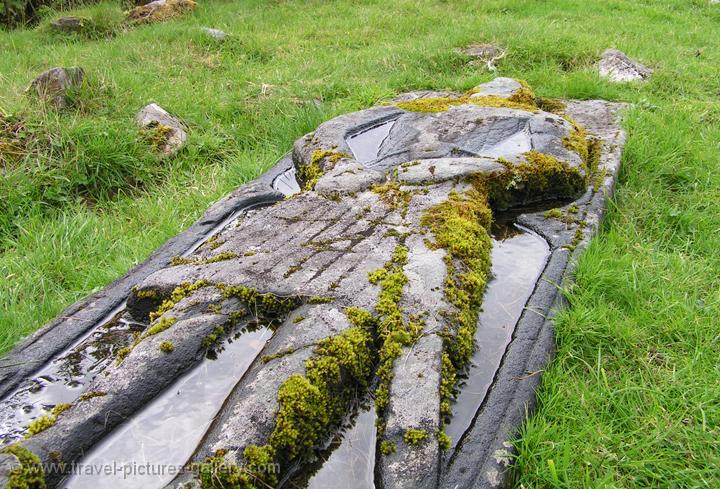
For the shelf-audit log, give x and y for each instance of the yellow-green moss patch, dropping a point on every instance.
(30, 474)
(309, 174)
(415, 436)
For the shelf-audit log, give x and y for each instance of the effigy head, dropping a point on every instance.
(430, 137)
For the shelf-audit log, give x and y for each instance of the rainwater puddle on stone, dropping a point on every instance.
(149, 450)
(286, 183)
(63, 379)
(518, 259)
(352, 464)
(366, 145)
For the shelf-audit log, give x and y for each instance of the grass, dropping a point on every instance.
(631, 399)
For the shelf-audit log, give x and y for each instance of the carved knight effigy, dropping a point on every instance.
(368, 278)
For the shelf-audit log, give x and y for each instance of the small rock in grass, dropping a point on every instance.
(54, 85)
(70, 24)
(499, 87)
(617, 67)
(483, 54)
(166, 131)
(216, 34)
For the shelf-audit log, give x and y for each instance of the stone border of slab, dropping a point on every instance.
(511, 398)
(81, 318)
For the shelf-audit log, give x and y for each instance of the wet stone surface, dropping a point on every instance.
(368, 275)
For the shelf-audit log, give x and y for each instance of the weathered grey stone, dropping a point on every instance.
(616, 66)
(318, 245)
(170, 132)
(348, 176)
(70, 23)
(482, 51)
(216, 34)
(414, 405)
(8, 463)
(499, 87)
(53, 86)
(441, 169)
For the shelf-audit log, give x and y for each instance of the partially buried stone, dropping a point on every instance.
(69, 24)
(216, 34)
(55, 85)
(166, 131)
(617, 67)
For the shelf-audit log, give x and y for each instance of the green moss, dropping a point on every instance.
(553, 214)
(393, 196)
(249, 253)
(91, 395)
(160, 326)
(167, 346)
(180, 260)
(578, 237)
(320, 299)
(214, 308)
(297, 319)
(292, 269)
(122, 354)
(214, 242)
(145, 294)
(178, 294)
(540, 176)
(415, 437)
(225, 255)
(392, 330)
(525, 95)
(216, 473)
(321, 161)
(258, 302)
(157, 134)
(523, 100)
(577, 141)
(444, 441)
(259, 460)
(40, 424)
(60, 408)
(387, 447)
(448, 377)
(360, 318)
(213, 337)
(280, 354)
(310, 404)
(30, 474)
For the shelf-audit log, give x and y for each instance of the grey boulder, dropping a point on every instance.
(54, 85)
(216, 34)
(617, 67)
(171, 135)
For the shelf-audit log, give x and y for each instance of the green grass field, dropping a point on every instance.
(633, 396)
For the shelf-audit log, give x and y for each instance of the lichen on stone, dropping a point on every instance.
(393, 196)
(523, 99)
(321, 161)
(178, 294)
